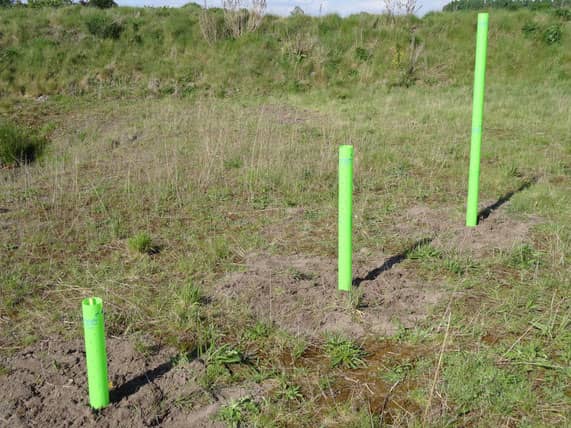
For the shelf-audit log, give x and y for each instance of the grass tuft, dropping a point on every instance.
(237, 412)
(18, 145)
(343, 352)
(141, 243)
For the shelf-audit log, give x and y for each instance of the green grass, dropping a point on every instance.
(19, 145)
(222, 162)
(237, 411)
(141, 243)
(132, 52)
(343, 352)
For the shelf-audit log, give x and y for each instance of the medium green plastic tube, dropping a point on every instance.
(95, 355)
(477, 120)
(345, 217)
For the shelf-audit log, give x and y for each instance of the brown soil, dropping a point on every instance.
(299, 294)
(497, 231)
(45, 385)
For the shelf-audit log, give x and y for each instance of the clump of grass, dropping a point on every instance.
(103, 26)
(343, 352)
(524, 257)
(473, 381)
(260, 330)
(18, 145)
(141, 243)
(237, 412)
(424, 252)
(222, 355)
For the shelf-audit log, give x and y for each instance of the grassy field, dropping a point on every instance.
(152, 197)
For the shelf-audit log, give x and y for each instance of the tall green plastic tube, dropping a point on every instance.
(477, 120)
(95, 354)
(345, 254)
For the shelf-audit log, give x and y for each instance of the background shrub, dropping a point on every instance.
(19, 145)
(102, 4)
(104, 26)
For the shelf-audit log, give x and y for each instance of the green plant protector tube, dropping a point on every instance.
(95, 355)
(345, 255)
(477, 120)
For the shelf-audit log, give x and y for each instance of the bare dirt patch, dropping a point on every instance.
(497, 231)
(299, 294)
(45, 385)
(287, 115)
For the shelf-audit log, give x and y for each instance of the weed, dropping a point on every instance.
(552, 34)
(222, 355)
(237, 412)
(287, 391)
(343, 352)
(524, 257)
(260, 330)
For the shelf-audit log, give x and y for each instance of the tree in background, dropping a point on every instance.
(101, 4)
(49, 3)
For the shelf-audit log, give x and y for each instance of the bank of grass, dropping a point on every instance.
(210, 177)
(125, 52)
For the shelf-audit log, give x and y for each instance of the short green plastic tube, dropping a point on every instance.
(477, 120)
(95, 355)
(345, 254)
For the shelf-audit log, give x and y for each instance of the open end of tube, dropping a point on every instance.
(91, 301)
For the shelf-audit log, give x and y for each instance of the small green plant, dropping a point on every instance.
(222, 355)
(287, 391)
(260, 330)
(424, 252)
(141, 243)
(18, 145)
(343, 352)
(552, 34)
(530, 29)
(524, 257)
(187, 304)
(355, 298)
(237, 412)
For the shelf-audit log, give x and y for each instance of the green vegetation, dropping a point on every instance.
(141, 243)
(343, 352)
(506, 4)
(237, 412)
(19, 145)
(123, 52)
(226, 147)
